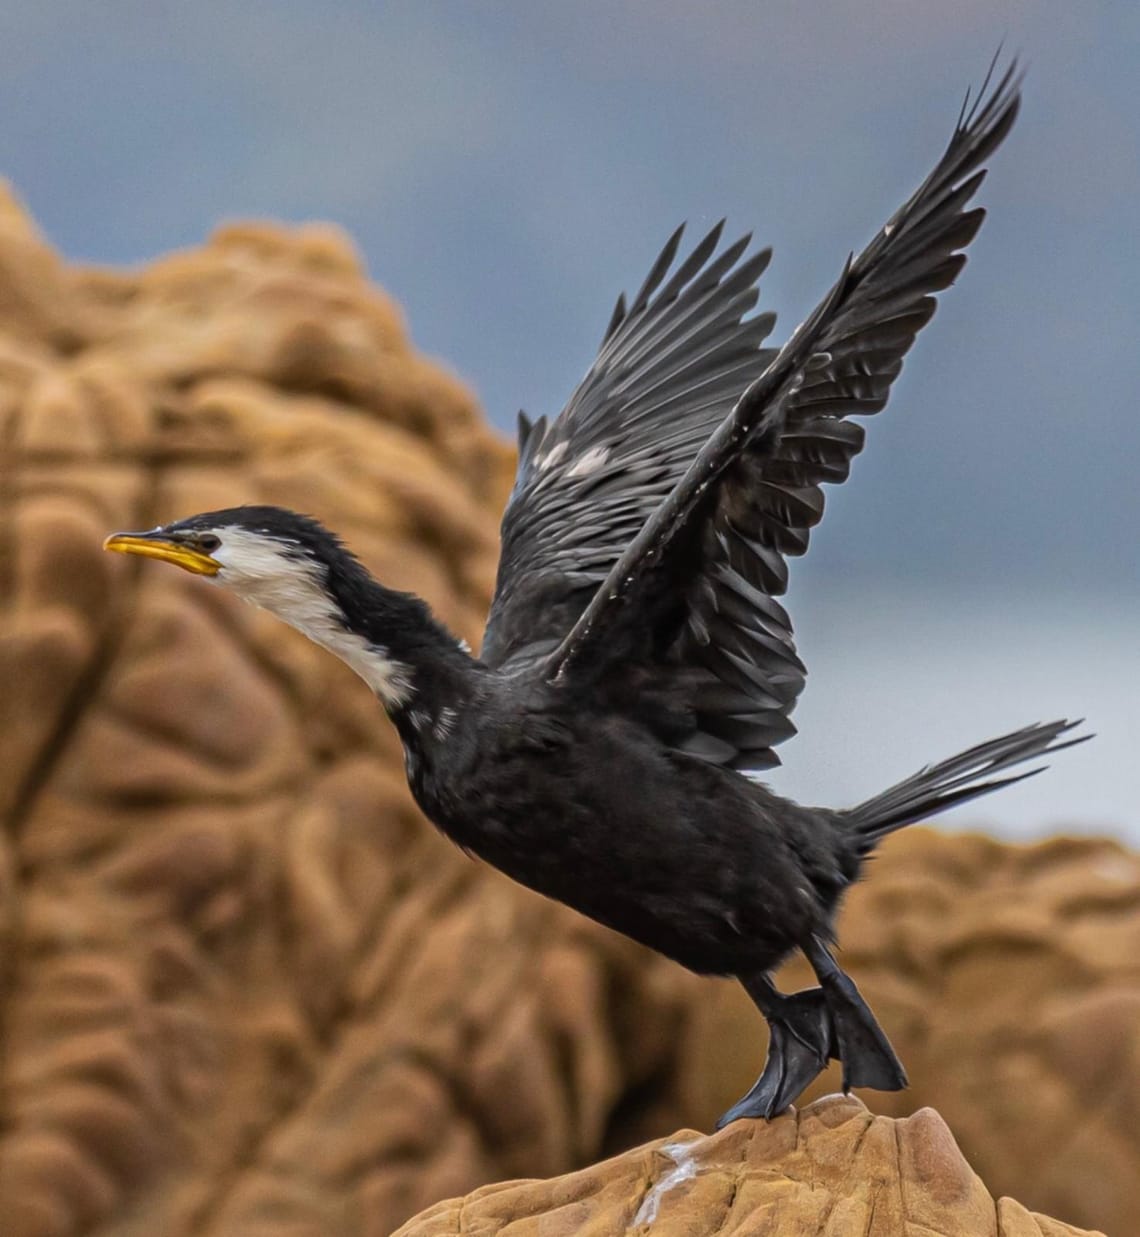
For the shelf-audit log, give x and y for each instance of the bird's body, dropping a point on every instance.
(637, 671)
(581, 803)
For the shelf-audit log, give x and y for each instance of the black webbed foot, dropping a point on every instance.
(809, 1028)
(800, 1045)
(867, 1056)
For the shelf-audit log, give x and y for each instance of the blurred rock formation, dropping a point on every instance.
(243, 988)
(831, 1169)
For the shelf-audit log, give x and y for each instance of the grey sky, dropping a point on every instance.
(507, 168)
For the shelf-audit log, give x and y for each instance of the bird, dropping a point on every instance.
(637, 671)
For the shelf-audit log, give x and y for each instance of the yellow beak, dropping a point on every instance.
(155, 545)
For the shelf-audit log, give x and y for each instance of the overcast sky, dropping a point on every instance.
(507, 168)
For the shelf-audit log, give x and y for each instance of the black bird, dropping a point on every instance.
(637, 671)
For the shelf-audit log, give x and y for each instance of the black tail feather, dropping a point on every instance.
(937, 787)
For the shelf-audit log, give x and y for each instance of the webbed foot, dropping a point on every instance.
(800, 1045)
(867, 1056)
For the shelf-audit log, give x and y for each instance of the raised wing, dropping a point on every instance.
(693, 593)
(667, 374)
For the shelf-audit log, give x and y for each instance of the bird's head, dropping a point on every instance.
(281, 561)
(255, 551)
(294, 567)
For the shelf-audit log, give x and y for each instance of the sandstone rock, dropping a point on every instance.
(1008, 978)
(832, 1169)
(243, 988)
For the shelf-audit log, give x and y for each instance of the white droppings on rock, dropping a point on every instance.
(685, 1167)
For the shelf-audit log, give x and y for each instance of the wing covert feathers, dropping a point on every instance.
(670, 368)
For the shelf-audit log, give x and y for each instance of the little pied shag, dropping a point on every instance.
(636, 669)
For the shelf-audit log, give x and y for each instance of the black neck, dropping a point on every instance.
(441, 673)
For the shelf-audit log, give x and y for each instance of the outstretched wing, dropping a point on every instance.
(689, 607)
(667, 374)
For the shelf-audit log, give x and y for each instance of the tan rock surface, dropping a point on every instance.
(1008, 978)
(243, 988)
(831, 1170)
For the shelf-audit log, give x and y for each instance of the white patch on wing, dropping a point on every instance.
(552, 457)
(589, 462)
(262, 573)
(445, 722)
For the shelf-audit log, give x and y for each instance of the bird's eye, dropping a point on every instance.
(209, 543)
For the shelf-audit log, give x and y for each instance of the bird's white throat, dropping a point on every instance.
(262, 572)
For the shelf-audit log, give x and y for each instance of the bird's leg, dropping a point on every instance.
(866, 1053)
(801, 1042)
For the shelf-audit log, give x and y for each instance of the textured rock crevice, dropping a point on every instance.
(831, 1168)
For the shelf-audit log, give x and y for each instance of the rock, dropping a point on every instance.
(243, 987)
(1008, 979)
(831, 1169)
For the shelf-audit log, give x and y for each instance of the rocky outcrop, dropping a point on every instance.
(831, 1169)
(243, 988)
(1008, 978)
